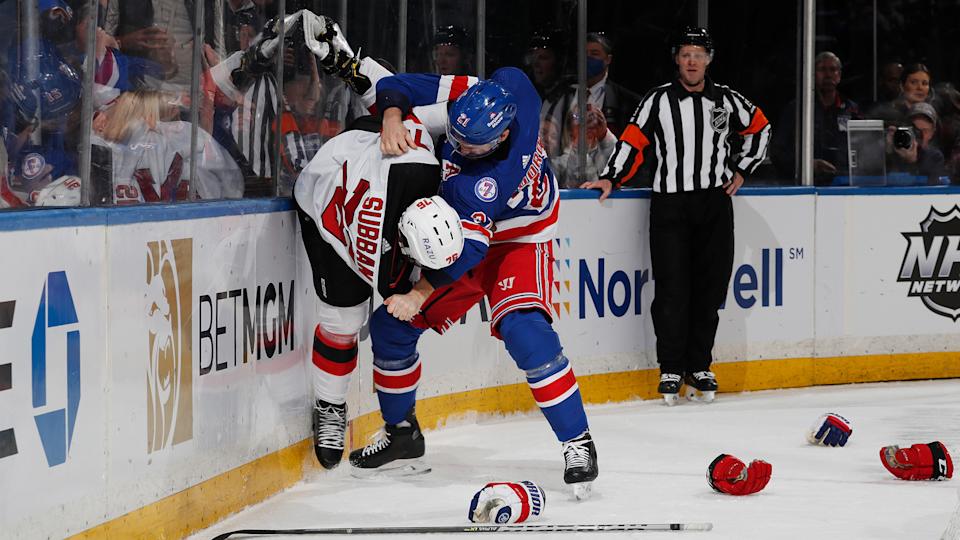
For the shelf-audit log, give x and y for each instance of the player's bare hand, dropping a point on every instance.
(395, 139)
(733, 185)
(405, 306)
(605, 187)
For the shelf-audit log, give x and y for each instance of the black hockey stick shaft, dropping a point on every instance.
(616, 527)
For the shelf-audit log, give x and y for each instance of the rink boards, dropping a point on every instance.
(153, 374)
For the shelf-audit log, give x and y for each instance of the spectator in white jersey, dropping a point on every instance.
(146, 159)
(689, 122)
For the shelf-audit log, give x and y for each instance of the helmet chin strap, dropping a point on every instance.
(458, 146)
(478, 156)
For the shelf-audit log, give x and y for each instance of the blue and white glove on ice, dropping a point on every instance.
(830, 429)
(507, 502)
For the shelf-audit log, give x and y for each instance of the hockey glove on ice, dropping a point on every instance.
(507, 502)
(729, 475)
(830, 429)
(919, 462)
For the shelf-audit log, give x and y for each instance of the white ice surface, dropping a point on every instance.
(653, 461)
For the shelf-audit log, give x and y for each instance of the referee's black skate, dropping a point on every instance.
(669, 387)
(394, 451)
(701, 386)
(580, 470)
(329, 431)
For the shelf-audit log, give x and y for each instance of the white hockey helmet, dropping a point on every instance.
(432, 233)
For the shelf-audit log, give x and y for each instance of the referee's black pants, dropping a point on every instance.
(691, 250)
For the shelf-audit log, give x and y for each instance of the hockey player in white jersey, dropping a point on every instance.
(366, 221)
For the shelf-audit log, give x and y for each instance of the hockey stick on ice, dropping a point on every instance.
(618, 527)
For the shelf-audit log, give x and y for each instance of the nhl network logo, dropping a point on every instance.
(168, 309)
(931, 263)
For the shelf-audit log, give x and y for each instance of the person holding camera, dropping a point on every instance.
(910, 148)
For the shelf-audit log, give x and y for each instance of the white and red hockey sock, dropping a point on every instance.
(335, 358)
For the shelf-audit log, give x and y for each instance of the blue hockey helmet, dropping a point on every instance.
(479, 117)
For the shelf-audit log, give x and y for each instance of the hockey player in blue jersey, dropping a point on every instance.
(497, 177)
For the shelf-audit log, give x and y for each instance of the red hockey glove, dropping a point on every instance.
(919, 462)
(729, 475)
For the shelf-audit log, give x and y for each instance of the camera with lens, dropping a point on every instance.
(905, 137)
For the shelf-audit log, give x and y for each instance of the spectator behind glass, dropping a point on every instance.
(544, 61)
(451, 48)
(616, 102)
(914, 88)
(947, 103)
(888, 87)
(149, 159)
(243, 21)
(162, 30)
(41, 113)
(920, 158)
(831, 113)
(600, 144)
(115, 71)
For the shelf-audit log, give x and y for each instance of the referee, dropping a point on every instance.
(690, 123)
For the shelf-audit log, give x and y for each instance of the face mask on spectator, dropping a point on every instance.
(595, 67)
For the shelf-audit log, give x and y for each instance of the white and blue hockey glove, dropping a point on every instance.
(507, 502)
(830, 429)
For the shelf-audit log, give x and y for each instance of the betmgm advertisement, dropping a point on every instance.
(207, 364)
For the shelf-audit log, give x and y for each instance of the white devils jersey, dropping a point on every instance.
(344, 190)
(153, 165)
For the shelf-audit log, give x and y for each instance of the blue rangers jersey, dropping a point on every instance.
(509, 196)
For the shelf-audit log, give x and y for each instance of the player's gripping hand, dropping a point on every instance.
(395, 138)
(919, 462)
(729, 475)
(830, 429)
(507, 502)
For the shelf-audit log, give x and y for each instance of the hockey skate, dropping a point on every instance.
(670, 388)
(701, 386)
(329, 430)
(394, 451)
(580, 457)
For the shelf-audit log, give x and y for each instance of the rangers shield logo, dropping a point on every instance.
(719, 118)
(931, 263)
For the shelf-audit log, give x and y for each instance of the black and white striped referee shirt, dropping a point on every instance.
(690, 133)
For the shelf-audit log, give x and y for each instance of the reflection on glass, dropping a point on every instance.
(832, 112)
(909, 69)
(41, 107)
(763, 65)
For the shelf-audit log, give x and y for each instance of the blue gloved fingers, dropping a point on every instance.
(824, 429)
